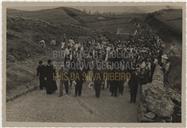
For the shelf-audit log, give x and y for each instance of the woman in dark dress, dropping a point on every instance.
(51, 86)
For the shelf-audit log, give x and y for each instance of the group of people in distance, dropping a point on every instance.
(144, 48)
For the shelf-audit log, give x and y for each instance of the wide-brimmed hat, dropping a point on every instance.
(164, 56)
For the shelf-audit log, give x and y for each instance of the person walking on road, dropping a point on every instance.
(79, 84)
(97, 83)
(97, 87)
(63, 76)
(133, 84)
(51, 86)
(41, 69)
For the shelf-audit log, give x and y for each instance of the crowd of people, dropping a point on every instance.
(137, 56)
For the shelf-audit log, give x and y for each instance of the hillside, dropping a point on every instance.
(55, 16)
(27, 28)
(23, 51)
(168, 24)
(28, 32)
(171, 17)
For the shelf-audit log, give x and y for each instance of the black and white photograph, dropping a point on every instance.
(94, 63)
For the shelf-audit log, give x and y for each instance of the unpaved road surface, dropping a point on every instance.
(36, 106)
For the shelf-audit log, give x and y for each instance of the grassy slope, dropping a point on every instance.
(168, 23)
(23, 51)
(55, 16)
(171, 17)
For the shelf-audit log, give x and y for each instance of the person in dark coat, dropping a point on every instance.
(121, 87)
(41, 73)
(97, 83)
(113, 88)
(97, 87)
(66, 84)
(115, 84)
(78, 86)
(133, 83)
(51, 86)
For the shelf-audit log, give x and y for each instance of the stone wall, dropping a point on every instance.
(157, 103)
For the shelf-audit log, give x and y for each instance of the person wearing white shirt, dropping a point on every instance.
(62, 45)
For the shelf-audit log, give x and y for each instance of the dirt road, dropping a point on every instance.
(36, 106)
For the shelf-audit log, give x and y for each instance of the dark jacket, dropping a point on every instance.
(51, 85)
(41, 71)
(133, 82)
(50, 72)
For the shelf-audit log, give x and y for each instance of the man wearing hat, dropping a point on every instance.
(165, 69)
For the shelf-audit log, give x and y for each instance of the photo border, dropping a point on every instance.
(6, 5)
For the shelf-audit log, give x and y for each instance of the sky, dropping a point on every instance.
(101, 9)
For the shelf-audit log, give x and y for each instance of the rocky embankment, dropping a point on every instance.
(157, 103)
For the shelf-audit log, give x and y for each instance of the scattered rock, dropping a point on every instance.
(145, 119)
(174, 95)
(150, 115)
(158, 103)
(11, 58)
